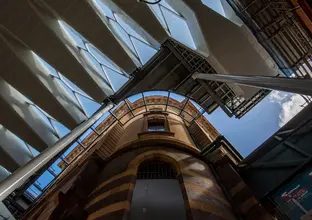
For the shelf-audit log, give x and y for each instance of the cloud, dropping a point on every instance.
(291, 105)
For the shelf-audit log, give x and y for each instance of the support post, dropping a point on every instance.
(293, 85)
(16, 179)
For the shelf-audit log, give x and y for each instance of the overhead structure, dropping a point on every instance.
(62, 60)
(283, 29)
(293, 85)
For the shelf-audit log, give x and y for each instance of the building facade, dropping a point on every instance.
(138, 107)
(151, 167)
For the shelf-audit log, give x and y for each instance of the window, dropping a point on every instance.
(156, 125)
(156, 169)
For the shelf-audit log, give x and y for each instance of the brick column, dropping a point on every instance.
(242, 197)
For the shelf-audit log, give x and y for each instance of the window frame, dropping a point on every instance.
(156, 116)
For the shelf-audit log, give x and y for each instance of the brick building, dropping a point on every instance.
(148, 165)
(122, 110)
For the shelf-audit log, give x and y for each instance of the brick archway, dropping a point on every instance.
(169, 158)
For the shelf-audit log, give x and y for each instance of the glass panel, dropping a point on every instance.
(101, 57)
(157, 97)
(144, 51)
(71, 85)
(55, 168)
(73, 152)
(106, 123)
(88, 137)
(73, 35)
(97, 124)
(43, 117)
(156, 107)
(95, 59)
(214, 5)
(197, 106)
(126, 118)
(50, 70)
(60, 129)
(175, 103)
(116, 79)
(139, 110)
(155, 100)
(165, 4)
(45, 179)
(71, 98)
(156, 93)
(157, 125)
(191, 109)
(177, 97)
(186, 116)
(135, 97)
(120, 110)
(121, 33)
(178, 28)
(136, 101)
(90, 106)
(158, 13)
(173, 110)
(33, 150)
(93, 64)
(33, 191)
(104, 9)
(72, 147)
(128, 28)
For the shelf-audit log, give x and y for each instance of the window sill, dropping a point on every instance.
(153, 133)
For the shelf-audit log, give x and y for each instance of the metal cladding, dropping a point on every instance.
(59, 56)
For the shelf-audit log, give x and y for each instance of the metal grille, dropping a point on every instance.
(156, 169)
(279, 30)
(237, 105)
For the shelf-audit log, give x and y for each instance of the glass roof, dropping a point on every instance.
(123, 112)
(127, 32)
(173, 22)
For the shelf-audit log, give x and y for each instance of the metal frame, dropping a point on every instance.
(279, 30)
(228, 100)
(181, 109)
(293, 85)
(296, 159)
(18, 178)
(33, 179)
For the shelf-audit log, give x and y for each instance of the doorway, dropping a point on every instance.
(157, 193)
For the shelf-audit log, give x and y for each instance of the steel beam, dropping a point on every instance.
(4, 173)
(293, 85)
(21, 175)
(23, 120)
(13, 151)
(279, 164)
(215, 97)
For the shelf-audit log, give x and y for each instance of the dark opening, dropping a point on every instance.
(156, 169)
(157, 193)
(156, 125)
